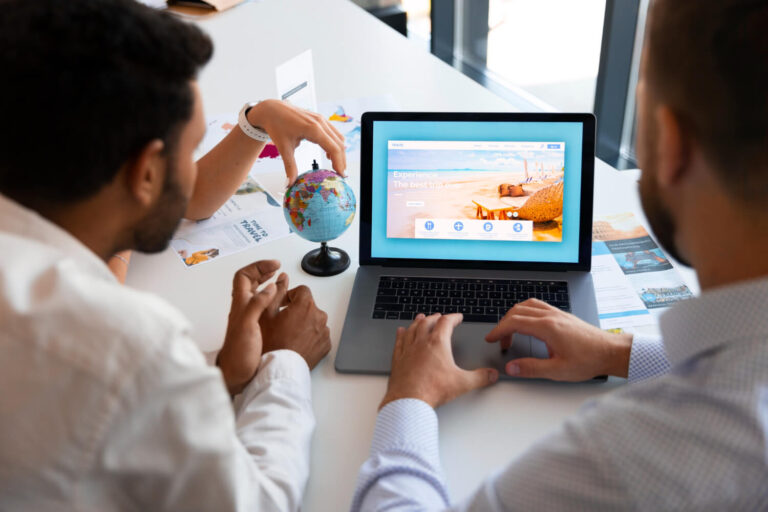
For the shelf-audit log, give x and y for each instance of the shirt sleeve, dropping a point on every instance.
(562, 472)
(177, 444)
(403, 470)
(274, 422)
(647, 358)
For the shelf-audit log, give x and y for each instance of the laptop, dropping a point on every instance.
(470, 213)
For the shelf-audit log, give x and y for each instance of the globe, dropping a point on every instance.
(319, 207)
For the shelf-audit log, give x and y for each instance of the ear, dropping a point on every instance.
(145, 174)
(672, 147)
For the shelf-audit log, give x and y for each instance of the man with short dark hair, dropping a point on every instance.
(694, 434)
(106, 403)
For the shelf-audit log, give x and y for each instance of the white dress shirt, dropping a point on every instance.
(107, 404)
(695, 438)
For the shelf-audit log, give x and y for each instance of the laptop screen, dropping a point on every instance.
(486, 191)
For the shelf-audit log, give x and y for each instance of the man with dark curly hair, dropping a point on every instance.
(106, 403)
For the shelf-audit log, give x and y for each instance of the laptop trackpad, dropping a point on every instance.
(471, 351)
(526, 346)
(539, 349)
(521, 347)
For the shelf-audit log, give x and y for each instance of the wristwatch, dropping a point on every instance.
(253, 132)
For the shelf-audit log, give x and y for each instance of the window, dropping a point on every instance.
(562, 55)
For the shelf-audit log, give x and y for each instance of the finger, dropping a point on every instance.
(341, 150)
(336, 134)
(447, 323)
(522, 309)
(259, 271)
(410, 332)
(281, 294)
(540, 327)
(242, 291)
(538, 304)
(331, 130)
(261, 301)
(285, 282)
(533, 368)
(480, 378)
(300, 295)
(426, 325)
(289, 161)
(326, 141)
(248, 278)
(399, 341)
(506, 343)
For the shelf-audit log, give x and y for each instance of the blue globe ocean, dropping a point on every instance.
(320, 206)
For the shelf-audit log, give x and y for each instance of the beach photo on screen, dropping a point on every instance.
(475, 190)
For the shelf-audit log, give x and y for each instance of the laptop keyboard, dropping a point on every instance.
(479, 300)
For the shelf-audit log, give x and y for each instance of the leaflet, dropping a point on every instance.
(634, 280)
(251, 217)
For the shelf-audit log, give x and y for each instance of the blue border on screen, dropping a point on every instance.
(566, 251)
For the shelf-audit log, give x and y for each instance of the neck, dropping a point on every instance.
(94, 226)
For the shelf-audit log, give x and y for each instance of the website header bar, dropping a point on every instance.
(476, 145)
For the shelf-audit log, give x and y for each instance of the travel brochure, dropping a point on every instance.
(250, 218)
(634, 280)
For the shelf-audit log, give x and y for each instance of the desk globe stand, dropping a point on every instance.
(325, 261)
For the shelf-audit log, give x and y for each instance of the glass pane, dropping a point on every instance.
(550, 48)
(419, 24)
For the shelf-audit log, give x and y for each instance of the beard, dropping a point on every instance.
(154, 232)
(658, 215)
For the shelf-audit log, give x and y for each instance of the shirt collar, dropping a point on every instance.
(717, 317)
(23, 222)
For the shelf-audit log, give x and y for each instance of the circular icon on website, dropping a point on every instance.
(429, 225)
(458, 226)
(517, 227)
(488, 226)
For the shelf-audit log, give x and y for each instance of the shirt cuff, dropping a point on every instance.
(410, 423)
(647, 358)
(276, 367)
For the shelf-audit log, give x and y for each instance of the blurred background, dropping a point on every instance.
(540, 55)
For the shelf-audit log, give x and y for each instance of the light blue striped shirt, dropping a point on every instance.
(693, 435)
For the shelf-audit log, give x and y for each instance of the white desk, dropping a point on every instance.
(355, 56)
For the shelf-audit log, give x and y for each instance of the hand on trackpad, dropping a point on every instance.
(577, 351)
(524, 345)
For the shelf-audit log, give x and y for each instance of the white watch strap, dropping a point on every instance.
(253, 132)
